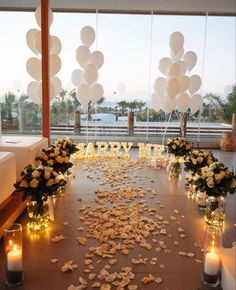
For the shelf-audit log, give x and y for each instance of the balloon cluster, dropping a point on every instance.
(34, 64)
(85, 79)
(177, 89)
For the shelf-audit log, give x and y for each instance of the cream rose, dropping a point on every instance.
(64, 153)
(50, 182)
(23, 183)
(66, 160)
(47, 174)
(210, 182)
(34, 183)
(50, 162)
(35, 173)
(199, 159)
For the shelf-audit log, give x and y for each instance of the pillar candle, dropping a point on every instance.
(212, 264)
(14, 259)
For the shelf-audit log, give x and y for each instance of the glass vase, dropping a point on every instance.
(13, 254)
(215, 211)
(201, 200)
(174, 168)
(38, 215)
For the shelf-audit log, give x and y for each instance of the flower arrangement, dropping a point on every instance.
(178, 146)
(197, 159)
(216, 180)
(56, 158)
(66, 144)
(37, 183)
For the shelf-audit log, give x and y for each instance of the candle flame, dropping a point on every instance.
(213, 250)
(14, 248)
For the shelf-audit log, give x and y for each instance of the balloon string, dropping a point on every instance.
(96, 112)
(96, 28)
(87, 125)
(149, 73)
(203, 72)
(167, 125)
(95, 105)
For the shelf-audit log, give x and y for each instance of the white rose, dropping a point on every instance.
(210, 182)
(199, 159)
(233, 184)
(35, 173)
(194, 161)
(50, 182)
(34, 183)
(47, 174)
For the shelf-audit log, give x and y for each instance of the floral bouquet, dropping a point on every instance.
(56, 158)
(66, 144)
(197, 159)
(216, 180)
(178, 146)
(38, 182)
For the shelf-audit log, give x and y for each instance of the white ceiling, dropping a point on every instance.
(219, 7)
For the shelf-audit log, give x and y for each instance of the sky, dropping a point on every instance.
(131, 51)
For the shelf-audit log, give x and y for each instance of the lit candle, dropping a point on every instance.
(14, 259)
(212, 263)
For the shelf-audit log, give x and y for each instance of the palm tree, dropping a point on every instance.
(123, 105)
(132, 105)
(10, 101)
(140, 106)
(223, 108)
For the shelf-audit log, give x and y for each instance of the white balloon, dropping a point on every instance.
(84, 94)
(55, 87)
(196, 102)
(38, 16)
(34, 68)
(55, 45)
(32, 91)
(176, 41)
(77, 77)
(38, 43)
(82, 55)
(172, 88)
(174, 70)
(182, 67)
(90, 74)
(97, 59)
(30, 39)
(184, 82)
(51, 89)
(97, 92)
(168, 104)
(87, 35)
(55, 64)
(177, 56)
(160, 85)
(164, 64)
(195, 84)
(190, 59)
(183, 102)
(155, 102)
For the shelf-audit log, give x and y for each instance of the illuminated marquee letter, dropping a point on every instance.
(115, 149)
(126, 149)
(102, 148)
(80, 153)
(90, 152)
(144, 150)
